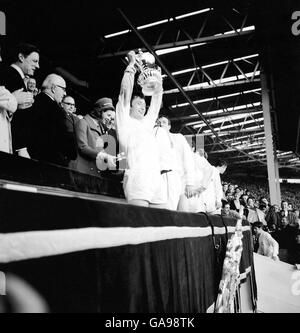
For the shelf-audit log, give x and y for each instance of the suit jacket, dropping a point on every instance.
(71, 121)
(91, 139)
(50, 140)
(12, 80)
(89, 144)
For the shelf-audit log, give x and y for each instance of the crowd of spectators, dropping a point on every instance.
(278, 226)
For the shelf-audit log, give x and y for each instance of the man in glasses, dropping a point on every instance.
(51, 141)
(68, 104)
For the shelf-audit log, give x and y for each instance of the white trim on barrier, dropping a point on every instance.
(35, 244)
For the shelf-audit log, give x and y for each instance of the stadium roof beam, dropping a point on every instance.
(233, 150)
(225, 114)
(185, 43)
(217, 82)
(205, 100)
(152, 24)
(193, 69)
(196, 40)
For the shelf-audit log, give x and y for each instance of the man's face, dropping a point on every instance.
(164, 123)
(284, 205)
(255, 230)
(108, 118)
(68, 104)
(264, 200)
(245, 197)
(223, 169)
(138, 108)
(225, 188)
(276, 208)
(284, 221)
(290, 207)
(30, 63)
(227, 208)
(231, 188)
(59, 90)
(31, 84)
(250, 202)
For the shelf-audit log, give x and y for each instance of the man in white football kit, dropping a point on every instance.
(176, 162)
(203, 178)
(213, 194)
(143, 182)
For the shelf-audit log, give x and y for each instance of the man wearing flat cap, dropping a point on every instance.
(93, 134)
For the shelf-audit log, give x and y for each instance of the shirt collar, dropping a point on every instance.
(19, 70)
(49, 96)
(95, 121)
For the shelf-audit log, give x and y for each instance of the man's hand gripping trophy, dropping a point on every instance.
(150, 78)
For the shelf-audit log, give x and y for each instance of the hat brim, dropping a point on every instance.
(104, 108)
(107, 108)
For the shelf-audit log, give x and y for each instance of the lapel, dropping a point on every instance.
(92, 124)
(19, 78)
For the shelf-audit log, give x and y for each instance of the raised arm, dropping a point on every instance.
(127, 82)
(123, 105)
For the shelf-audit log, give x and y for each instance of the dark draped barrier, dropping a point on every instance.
(28, 171)
(88, 256)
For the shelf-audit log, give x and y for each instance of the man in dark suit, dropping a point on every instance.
(68, 105)
(25, 62)
(50, 139)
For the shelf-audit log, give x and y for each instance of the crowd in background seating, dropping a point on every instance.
(282, 223)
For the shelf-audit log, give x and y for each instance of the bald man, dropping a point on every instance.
(50, 139)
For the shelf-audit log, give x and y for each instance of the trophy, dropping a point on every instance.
(150, 74)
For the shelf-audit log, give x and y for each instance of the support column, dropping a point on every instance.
(272, 163)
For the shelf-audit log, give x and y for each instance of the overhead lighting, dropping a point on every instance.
(170, 50)
(249, 28)
(230, 118)
(160, 22)
(223, 112)
(176, 48)
(257, 143)
(153, 24)
(214, 82)
(208, 132)
(117, 33)
(193, 13)
(232, 125)
(233, 108)
(215, 98)
(192, 69)
(285, 153)
(245, 137)
(257, 151)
